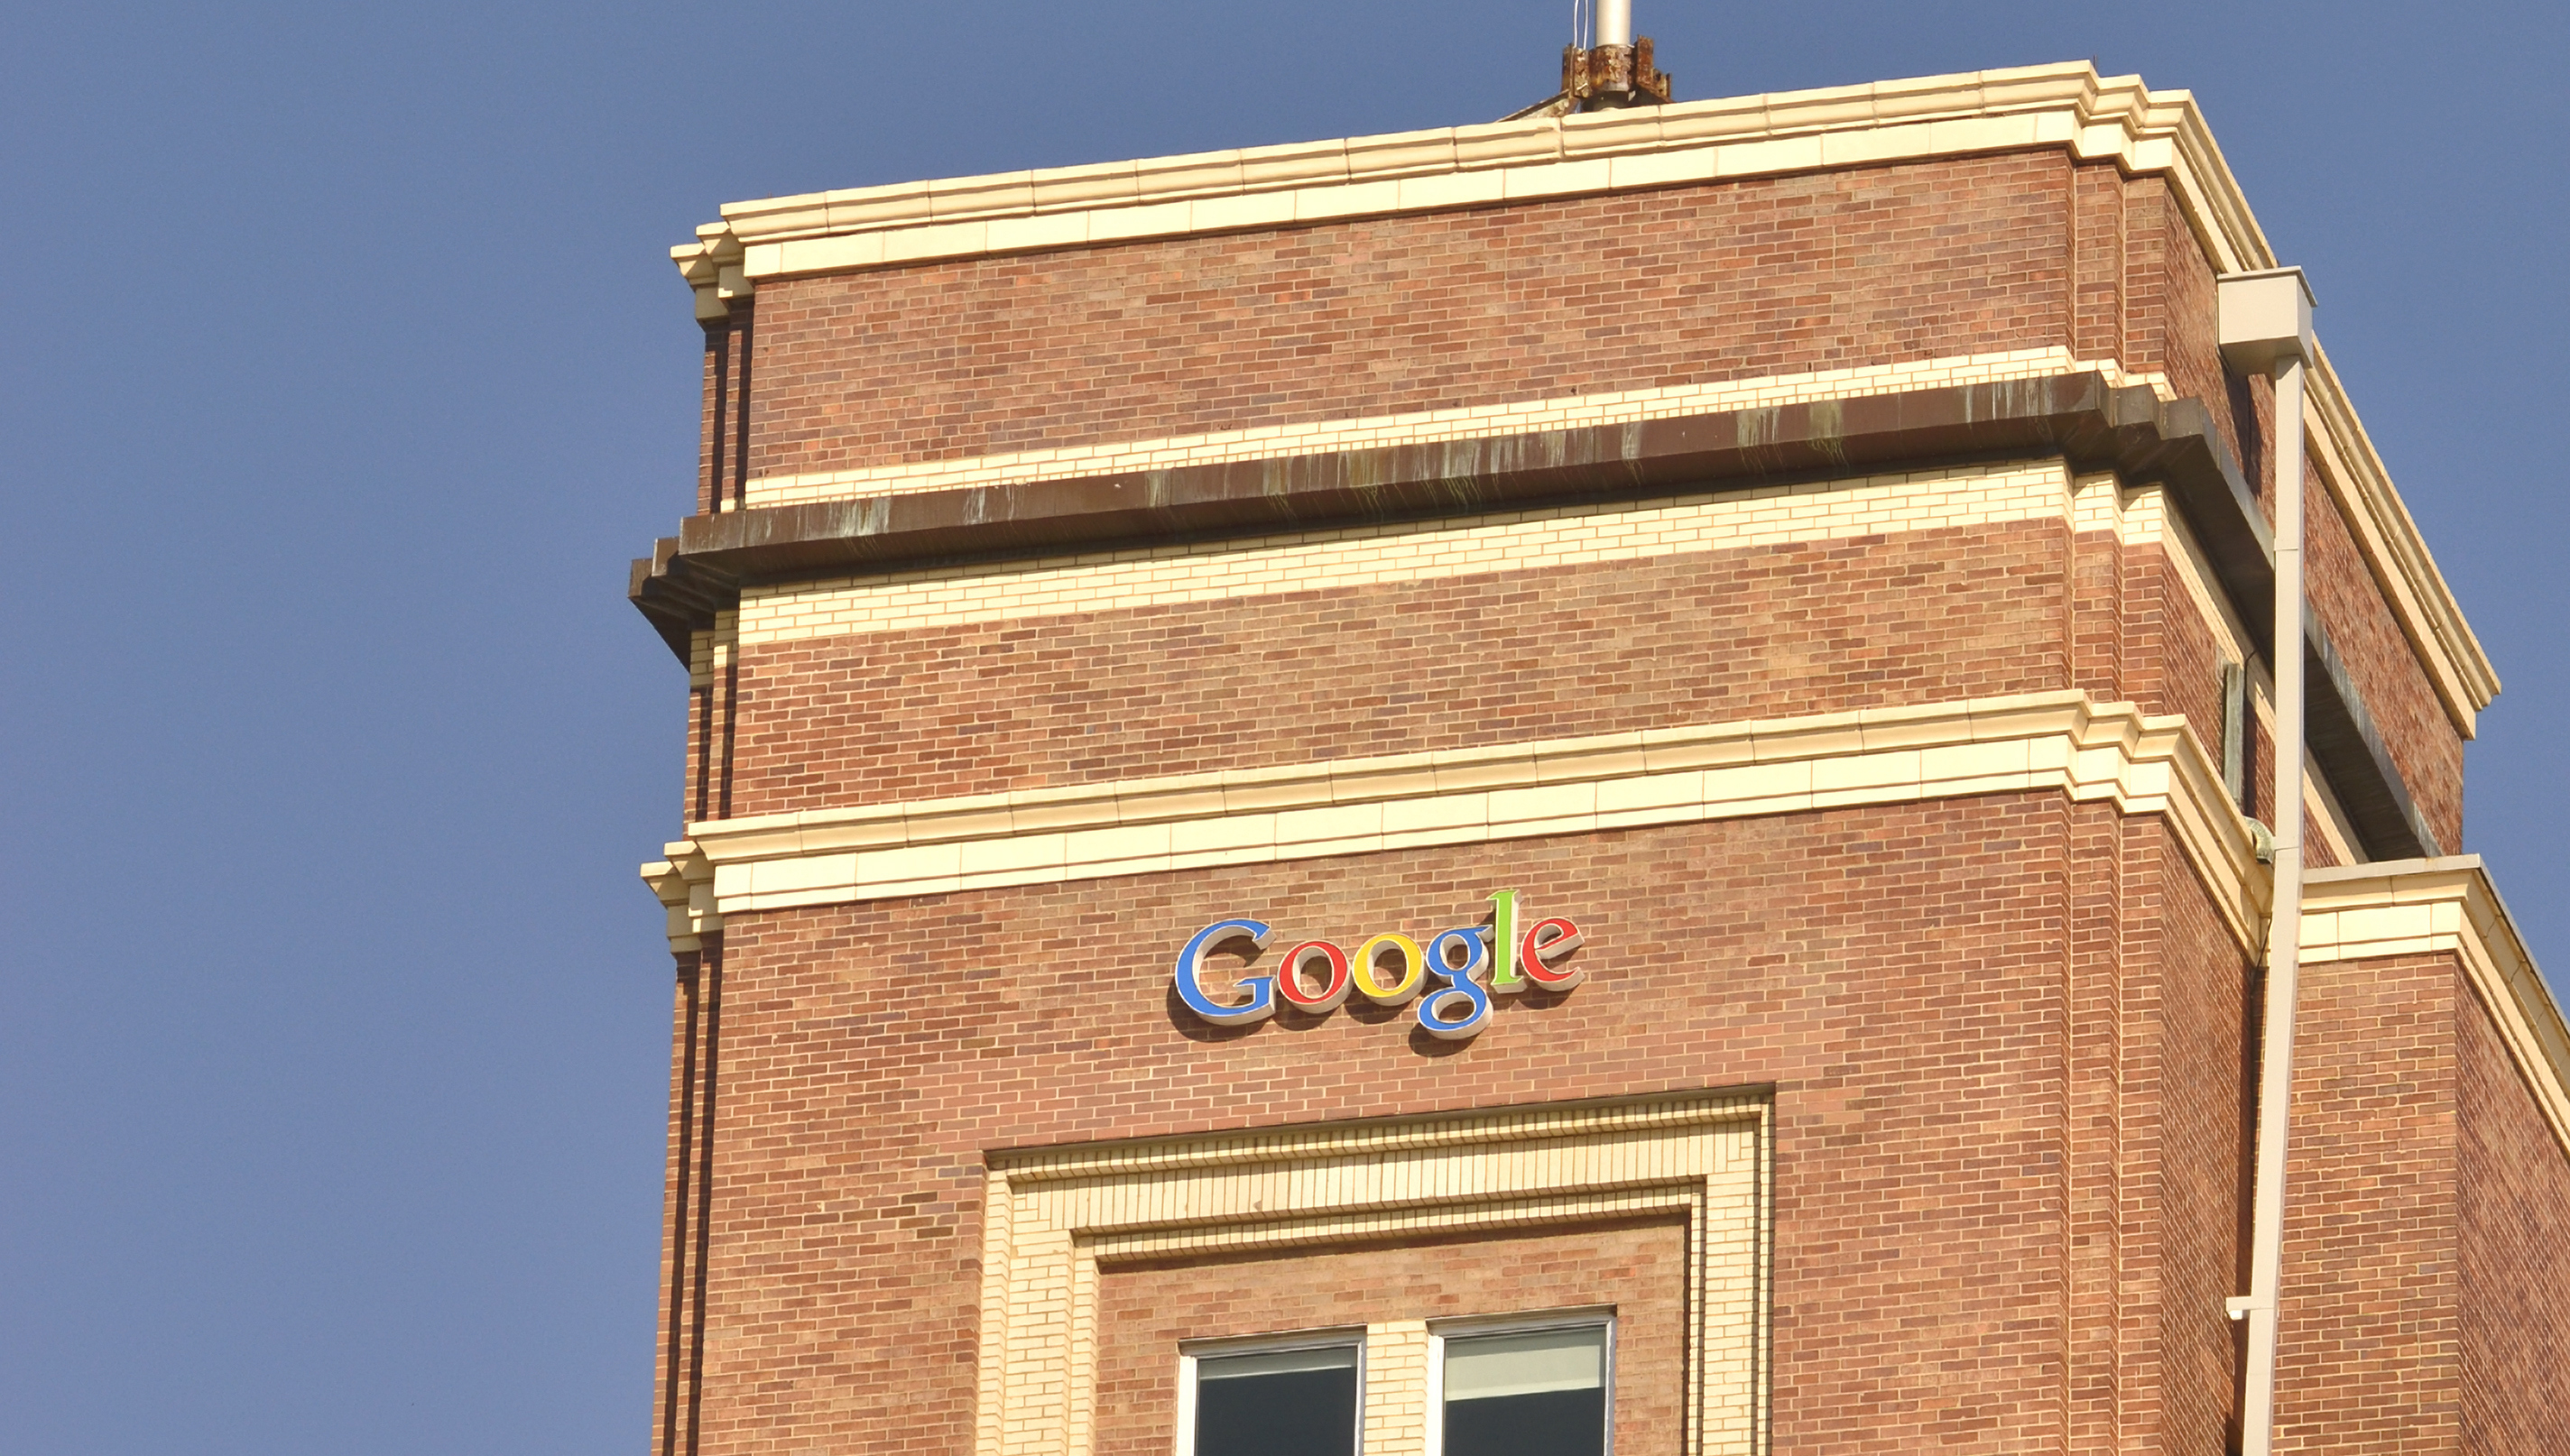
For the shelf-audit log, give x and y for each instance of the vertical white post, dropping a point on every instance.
(2285, 931)
(1615, 22)
(2266, 325)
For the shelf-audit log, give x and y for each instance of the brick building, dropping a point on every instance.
(1595, 775)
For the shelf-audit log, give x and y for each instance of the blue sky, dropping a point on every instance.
(346, 368)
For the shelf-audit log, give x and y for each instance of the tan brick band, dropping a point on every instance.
(2036, 743)
(1322, 561)
(1358, 557)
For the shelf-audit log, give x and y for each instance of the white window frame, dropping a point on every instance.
(1351, 1336)
(1584, 1316)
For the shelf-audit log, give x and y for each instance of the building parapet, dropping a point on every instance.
(2069, 105)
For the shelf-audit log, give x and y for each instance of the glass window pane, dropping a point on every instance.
(1277, 1404)
(1538, 1393)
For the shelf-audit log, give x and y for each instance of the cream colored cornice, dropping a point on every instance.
(2038, 742)
(2063, 105)
(2045, 742)
(684, 886)
(2448, 906)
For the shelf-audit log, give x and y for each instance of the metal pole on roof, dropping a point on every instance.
(1614, 23)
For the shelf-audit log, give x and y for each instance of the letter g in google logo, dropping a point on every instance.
(1392, 969)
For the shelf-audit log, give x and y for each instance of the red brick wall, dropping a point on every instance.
(2169, 313)
(1716, 281)
(2174, 320)
(1902, 974)
(2166, 655)
(1725, 280)
(2350, 605)
(2143, 640)
(2179, 1179)
(2515, 1208)
(2006, 1033)
(1422, 311)
(2097, 1044)
(1602, 647)
(2423, 741)
(2100, 253)
(2425, 1273)
(1404, 667)
(675, 1209)
(722, 452)
(2371, 1311)
(1145, 1310)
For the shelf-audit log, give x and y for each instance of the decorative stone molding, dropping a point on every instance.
(1053, 1216)
(684, 884)
(2043, 742)
(2066, 105)
(2448, 906)
(712, 268)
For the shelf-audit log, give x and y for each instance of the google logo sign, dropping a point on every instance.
(1392, 970)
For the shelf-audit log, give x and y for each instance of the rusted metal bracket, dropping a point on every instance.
(1613, 76)
(1602, 78)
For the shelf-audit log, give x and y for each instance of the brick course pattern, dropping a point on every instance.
(2513, 1186)
(1145, 1309)
(2164, 1170)
(2422, 739)
(1904, 976)
(1398, 668)
(2426, 1273)
(1851, 268)
(2349, 602)
(1499, 657)
(1422, 312)
(2009, 1036)
(2366, 1355)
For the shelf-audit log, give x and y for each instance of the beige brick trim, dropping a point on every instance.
(1396, 1397)
(1053, 1216)
(2037, 742)
(684, 884)
(1366, 555)
(1425, 427)
(2449, 906)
